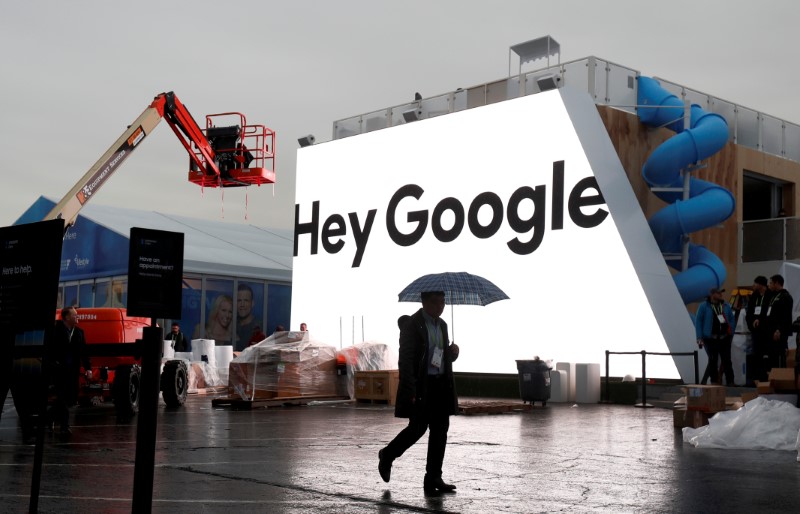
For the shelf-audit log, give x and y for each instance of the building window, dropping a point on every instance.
(279, 302)
(71, 295)
(119, 293)
(102, 293)
(86, 294)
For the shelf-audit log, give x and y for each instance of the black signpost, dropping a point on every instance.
(30, 260)
(155, 272)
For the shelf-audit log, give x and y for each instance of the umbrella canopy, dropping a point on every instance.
(459, 289)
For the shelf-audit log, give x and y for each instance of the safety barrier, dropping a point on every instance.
(644, 355)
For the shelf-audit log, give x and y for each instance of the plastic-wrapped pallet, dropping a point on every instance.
(286, 364)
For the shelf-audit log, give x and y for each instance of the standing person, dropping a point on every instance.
(65, 355)
(246, 321)
(180, 344)
(779, 322)
(426, 394)
(714, 329)
(755, 316)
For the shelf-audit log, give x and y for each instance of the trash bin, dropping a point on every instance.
(534, 381)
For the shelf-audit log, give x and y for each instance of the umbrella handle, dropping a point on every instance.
(452, 325)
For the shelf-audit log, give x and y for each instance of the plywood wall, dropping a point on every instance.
(634, 142)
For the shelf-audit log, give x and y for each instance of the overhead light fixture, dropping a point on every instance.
(547, 82)
(412, 115)
(306, 141)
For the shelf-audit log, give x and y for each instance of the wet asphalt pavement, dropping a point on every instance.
(323, 459)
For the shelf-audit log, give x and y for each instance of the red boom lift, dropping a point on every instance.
(231, 155)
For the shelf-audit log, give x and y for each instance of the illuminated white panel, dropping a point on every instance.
(595, 282)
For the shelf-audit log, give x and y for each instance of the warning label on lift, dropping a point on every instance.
(105, 169)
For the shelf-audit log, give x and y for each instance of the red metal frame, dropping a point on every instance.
(258, 140)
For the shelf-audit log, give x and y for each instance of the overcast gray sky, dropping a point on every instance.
(75, 74)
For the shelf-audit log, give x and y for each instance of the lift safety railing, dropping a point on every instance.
(644, 355)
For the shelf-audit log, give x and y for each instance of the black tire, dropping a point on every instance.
(174, 383)
(125, 390)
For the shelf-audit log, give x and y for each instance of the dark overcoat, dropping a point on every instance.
(66, 354)
(413, 365)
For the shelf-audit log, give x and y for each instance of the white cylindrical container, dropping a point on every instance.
(559, 387)
(587, 383)
(168, 351)
(224, 356)
(569, 368)
(203, 351)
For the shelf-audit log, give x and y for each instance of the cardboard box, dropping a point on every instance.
(782, 379)
(705, 398)
(749, 395)
(377, 385)
(763, 388)
(314, 376)
(688, 418)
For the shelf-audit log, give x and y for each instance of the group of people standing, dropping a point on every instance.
(769, 319)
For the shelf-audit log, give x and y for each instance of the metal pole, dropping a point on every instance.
(147, 424)
(40, 399)
(608, 395)
(644, 403)
(687, 177)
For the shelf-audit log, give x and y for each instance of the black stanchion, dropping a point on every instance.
(147, 425)
(644, 370)
(643, 403)
(608, 394)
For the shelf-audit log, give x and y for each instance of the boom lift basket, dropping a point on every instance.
(244, 154)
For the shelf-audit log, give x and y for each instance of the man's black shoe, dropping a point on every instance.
(384, 467)
(437, 485)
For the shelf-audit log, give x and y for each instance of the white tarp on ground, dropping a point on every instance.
(760, 424)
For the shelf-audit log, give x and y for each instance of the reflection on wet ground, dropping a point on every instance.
(323, 458)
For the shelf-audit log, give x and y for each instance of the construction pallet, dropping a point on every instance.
(236, 402)
(209, 390)
(491, 407)
(374, 400)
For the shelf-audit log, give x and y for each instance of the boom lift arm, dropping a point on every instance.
(225, 156)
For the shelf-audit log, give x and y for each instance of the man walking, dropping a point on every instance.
(426, 393)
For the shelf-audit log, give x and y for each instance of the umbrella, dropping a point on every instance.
(460, 288)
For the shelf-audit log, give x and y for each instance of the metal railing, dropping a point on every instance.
(770, 240)
(644, 355)
(607, 83)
